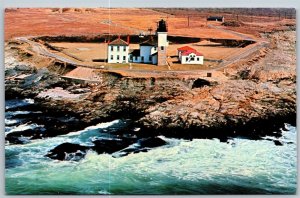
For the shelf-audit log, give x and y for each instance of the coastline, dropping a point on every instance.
(173, 106)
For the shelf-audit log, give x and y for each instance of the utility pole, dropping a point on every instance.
(237, 17)
(150, 30)
(279, 16)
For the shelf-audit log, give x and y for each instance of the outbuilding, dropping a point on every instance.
(188, 55)
(216, 18)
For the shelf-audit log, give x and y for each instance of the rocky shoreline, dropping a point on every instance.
(254, 102)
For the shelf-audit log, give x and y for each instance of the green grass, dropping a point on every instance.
(149, 67)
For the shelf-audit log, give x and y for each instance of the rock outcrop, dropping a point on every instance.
(175, 106)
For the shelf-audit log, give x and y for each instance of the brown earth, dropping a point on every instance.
(87, 21)
(257, 90)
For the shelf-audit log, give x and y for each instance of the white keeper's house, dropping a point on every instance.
(118, 51)
(188, 55)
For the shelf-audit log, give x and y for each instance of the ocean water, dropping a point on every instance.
(200, 166)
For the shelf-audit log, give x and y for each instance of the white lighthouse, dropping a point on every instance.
(162, 42)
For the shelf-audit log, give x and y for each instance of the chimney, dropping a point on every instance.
(128, 39)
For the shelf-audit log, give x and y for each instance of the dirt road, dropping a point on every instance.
(40, 49)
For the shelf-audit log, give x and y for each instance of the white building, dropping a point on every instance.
(147, 53)
(118, 51)
(154, 50)
(188, 55)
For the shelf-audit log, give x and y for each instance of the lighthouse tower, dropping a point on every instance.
(162, 42)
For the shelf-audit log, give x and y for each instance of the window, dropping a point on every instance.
(193, 58)
(118, 48)
(186, 59)
(162, 48)
(124, 48)
(124, 58)
(198, 59)
(112, 57)
(154, 48)
(142, 58)
(135, 58)
(111, 48)
(150, 58)
(118, 57)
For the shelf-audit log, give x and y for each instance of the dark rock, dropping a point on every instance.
(22, 137)
(68, 151)
(200, 83)
(52, 126)
(111, 146)
(278, 143)
(26, 68)
(14, 140)
(10, 72)
(244, 74)
(284, 128)
(151, 142)
(143, 145)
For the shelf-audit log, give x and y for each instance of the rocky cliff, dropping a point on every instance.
(256, 97)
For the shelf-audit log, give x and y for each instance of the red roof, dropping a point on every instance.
(186, 53)
(118, 41)
(186, 48)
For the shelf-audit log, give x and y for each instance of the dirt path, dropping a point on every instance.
(241, 54)
(41, 50)
(243, 36)
(245, 52)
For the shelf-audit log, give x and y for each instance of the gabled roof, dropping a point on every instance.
(150, 42)
(135, 52)
(186, 53)
(154, 54)
(185, 48)
(118, 41)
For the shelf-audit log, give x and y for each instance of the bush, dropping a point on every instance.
(232, 23)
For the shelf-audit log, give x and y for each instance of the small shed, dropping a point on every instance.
(216, 18)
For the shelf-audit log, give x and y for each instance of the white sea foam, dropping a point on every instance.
(11, 122)
(24, 127)
(9, 114)
(90, 128)
(189, 165)
(29, 100)
(18, 103)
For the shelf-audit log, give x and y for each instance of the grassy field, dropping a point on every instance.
(52, 21)
(89, 51)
